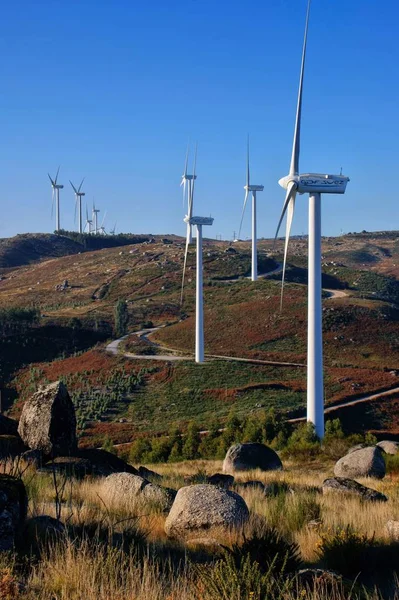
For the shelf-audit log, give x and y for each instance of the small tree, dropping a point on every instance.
(121, 318)
(192, 442)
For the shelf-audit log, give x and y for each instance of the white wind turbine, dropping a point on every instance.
(95, 212)
(56, 187)
(313, 184)
(199, 302)
(187, 181)
(251, 188)
(89, 222)
(78, 206)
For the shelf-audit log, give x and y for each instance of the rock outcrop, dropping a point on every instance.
(389, 446)
(13, 510)
(48, 421)
(365, 462)
(343, 485)
(150, 475)
(245, 457)
(222, 480)
(392, 528)
(97, 462)
(200, 511)
(126, 488)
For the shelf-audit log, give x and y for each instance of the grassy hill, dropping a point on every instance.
(124, 398)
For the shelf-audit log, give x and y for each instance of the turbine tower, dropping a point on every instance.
(56, 187)
(187, 181)
(78, 196)
(313, 184)
(251, 188)
(199, 303)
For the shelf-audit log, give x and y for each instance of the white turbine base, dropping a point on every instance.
(315, 384)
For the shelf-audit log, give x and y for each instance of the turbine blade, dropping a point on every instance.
(243, 211)
(102, 222)
(294, 167)
(81, 183)
(52, 182)
(76, 209)
(290, 216)
(184, 271)
(56, 177)
(186, 163)
(291, 191)
(74, 188)
(52, 202)
(191, 200)
(248, 161)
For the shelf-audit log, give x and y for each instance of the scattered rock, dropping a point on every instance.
(357, 447)
(365, 462)
(389, 446)
(272, 489)
(199, 509)
(70, 466)
(349, 486)
(315, 579)
(99, 463)
(392, 528)
(150, 475)
(253, 485)
(39, 533)
(13, 509)
(125, 487)
(48, 421)
(245, 457)
(221, 480)
(34, 458)
(10, 446)
(8, 426)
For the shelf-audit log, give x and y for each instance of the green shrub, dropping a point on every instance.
(303, 443)
(345, 551)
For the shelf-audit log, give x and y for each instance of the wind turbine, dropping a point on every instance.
(56, 187)
(251, 188)
(112, 231)
(89, 222)
(313, 184)
(102, 227)
(199, 302)
(78, 196)
(187, 181)
(95, 218)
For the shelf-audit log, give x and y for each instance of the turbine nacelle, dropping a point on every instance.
(254, 188)
(187, 178)
(312, 183)
(198, 220)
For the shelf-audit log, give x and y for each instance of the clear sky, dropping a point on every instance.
(112, 90)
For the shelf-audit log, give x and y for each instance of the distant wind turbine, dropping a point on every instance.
(95, 218)
(199, 304)
(56, 187)
(89, 222)
(251, 188)
(313, 184)
(78, 206)
(188, 181)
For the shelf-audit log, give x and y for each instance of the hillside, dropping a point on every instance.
(26, 248)
(361, 331)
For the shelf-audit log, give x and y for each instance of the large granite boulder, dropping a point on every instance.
(95, 462)
(245, 457)
(129, 489)
(13, 510)
(221, 479)
(365, 462)
(202, 510)
(389, 446)
(48, 421)
(150, 475)
(342, 485)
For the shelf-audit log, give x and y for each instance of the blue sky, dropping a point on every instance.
(113, 90)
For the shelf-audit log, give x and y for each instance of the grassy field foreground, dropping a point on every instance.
(119, 551)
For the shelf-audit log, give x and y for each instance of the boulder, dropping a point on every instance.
(48, 421)
(127, 488)
(13, 510)
(10, 446)
(222, 480)
(245, 457)
(39, 533)
(357, 447)
(34, 458)
(94, 462)
(365, 462)
(343, 485)
(389, 446)
(315, 580)
(150, 475)
(201, 509)
(8, 426)
(272, 489)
